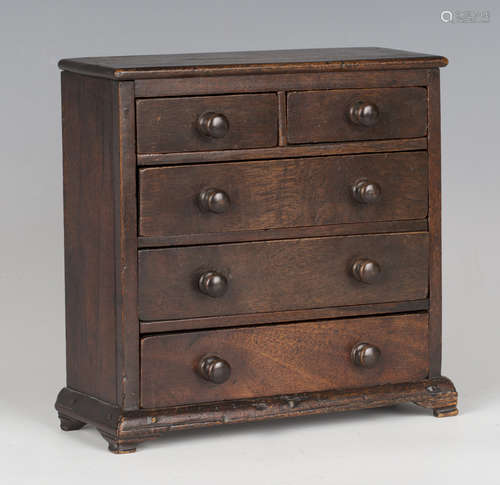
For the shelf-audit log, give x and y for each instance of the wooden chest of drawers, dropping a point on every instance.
(250, 236)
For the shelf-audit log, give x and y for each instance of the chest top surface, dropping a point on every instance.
(251, 62)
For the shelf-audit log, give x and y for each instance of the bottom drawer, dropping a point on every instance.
(216, 365)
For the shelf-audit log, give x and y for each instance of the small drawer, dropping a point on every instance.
(356, 114)
(206, 123)
(225, 197)
(217, 365)
(266, 276)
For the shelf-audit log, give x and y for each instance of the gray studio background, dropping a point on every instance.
(388, 446)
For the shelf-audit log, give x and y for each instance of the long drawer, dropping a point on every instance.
(282, 359)
(201, 199)
(239, 278)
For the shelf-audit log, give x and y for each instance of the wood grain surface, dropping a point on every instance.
(88, 111)
(435, 276)
(287, 316)
(125, 239)
(218, 83)
(286, 307)
(282, 193)
(169, 124)
(322, 116)
(281, 275)
(124, 430)
(289, 151)
(410, 225)
(282, 359)
(254, 62)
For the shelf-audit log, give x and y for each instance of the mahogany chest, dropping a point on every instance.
(250, 235)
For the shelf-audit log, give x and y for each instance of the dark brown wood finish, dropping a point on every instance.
(220, 84)
(282, 359)
(88, 111)
(251, 62)
(414, 225)
(254, 235)
(282, 193)
(100, 238)
(318, 149)
(435, 281)
(70, 424)
(282, 316)
(125, 200)
(282, 133)
(176, 124)
(324, 116)
(125, 429)
(281, 275)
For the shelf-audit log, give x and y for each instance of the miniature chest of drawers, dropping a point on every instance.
(250, 236)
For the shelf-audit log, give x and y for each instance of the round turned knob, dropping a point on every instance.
(364, 114)
(212, 284)
(214, 369)
(214, 125)
(365, 355)
(213, 200)
(366, 270)
(366, 192)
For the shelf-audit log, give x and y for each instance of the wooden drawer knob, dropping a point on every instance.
(366, 270)
(364, 114)
(365, 355)
(366, 192)
(212, 284)
(213, 200)
(214, 369)
(214, 125)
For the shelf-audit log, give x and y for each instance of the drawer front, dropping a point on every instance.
(282, 359)
(207, 123)
(282, 193)
(267, 276)
(356, 114)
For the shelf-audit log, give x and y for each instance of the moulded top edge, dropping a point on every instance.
(250, 62)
